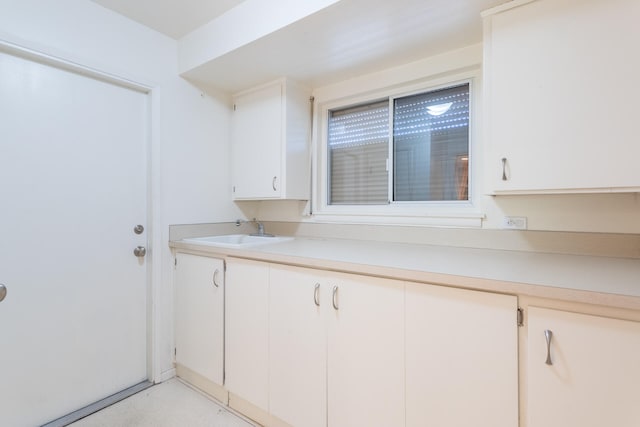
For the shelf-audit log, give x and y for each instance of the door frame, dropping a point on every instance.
(152, 144)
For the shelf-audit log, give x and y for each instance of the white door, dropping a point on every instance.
(72, 188)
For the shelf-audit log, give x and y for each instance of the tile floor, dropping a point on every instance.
(170, 404)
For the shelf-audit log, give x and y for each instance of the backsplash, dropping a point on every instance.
(577, 243)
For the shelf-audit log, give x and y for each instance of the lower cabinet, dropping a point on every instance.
(582, 370)
(298, 303)
(365, 351)
(336, 349)
(247, 332)
(199, 321)
(312, 348)
(461, 357)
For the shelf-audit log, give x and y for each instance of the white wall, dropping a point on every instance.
(190, 129)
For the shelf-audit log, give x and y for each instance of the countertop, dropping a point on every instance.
(588, 279)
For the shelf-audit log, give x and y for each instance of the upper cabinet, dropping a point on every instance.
(561, 96)
(270, 142)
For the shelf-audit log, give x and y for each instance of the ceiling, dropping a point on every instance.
(175, 18)
(344, 40)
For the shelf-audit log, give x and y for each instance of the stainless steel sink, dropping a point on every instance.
(236, 240)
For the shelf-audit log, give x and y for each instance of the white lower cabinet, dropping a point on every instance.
(247, 331)
(588, 375)
(365, 352)
(461, 357)
(199, 318)
(311, 348)
(298, 346)
(336, 349)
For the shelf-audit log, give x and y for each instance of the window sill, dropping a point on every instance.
(467, 219)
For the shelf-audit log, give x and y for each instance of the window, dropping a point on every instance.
(410, 149)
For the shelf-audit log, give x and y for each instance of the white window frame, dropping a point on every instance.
(459, 213)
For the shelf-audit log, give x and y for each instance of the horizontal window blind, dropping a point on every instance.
(431, 145)
(430, 138)
(358, 149)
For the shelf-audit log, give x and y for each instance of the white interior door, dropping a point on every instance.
(72, 187)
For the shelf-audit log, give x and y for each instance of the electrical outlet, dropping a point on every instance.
(514, 222)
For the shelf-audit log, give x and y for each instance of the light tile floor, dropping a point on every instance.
(170, 404)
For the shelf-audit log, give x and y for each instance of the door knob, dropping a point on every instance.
(140, 251)
(3, 291)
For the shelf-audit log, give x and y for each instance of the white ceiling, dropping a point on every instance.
(175, 18)
(344, 40)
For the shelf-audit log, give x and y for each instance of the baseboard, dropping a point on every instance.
(205, 385)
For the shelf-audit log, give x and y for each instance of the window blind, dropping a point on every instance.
(431, 145)
(358, 149)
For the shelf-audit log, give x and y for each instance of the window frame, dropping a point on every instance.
(455, 213)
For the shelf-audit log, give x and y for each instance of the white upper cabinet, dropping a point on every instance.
(270, 142)
(561, 96)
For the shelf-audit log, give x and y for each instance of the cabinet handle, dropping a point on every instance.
(504, 168)
(215, 278)
(334, 297)
(273, 183)
(547, 335)
(316, 294)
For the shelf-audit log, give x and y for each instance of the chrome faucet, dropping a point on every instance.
(259, 225)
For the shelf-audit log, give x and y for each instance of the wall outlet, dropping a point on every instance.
(514, 222)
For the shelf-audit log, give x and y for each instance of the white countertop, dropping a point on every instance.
(517, 272)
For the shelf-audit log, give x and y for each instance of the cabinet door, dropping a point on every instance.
(247, 333)
(199, 315)
(593, 377)
(562, 97)
(297, 347)
(365, 377)
(461, 357)
(257, 144)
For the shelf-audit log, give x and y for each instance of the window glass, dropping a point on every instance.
(358, 148)
(431, 146)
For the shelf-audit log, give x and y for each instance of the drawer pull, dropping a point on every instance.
(334, 299)
(215, 278)
(547, 335)
(316, 295)
(504, 168)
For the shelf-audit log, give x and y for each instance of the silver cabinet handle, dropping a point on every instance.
(504, 168)
(547, 335)
(140, 251)
(273, 183)
(334, 297)
(316, 295)
(3, 291)
(215, 278)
